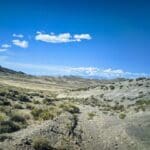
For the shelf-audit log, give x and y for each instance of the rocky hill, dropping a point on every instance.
(70, 113)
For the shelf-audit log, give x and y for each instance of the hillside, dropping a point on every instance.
(9, 71)
(70, 113)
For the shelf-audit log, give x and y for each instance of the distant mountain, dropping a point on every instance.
(9, 71)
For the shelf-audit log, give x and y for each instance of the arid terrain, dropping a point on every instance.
(71, 113)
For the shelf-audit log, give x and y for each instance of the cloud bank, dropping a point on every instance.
(61, 38)
(22, 44)
(87, 72)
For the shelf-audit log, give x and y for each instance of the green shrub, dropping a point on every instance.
(112, 87)
(140, 78)
(18, 118)
(13, 93)
(101, 95)
(122, 116)
(18, 106)
(6, 110)
(140, 84)
(131, 80)
(3, 117)
(118, 107)
(45, 114)
(121, 86)
(140, 107)
(8, 127)
(36, 101)
(29, 106)
(2, 93)
(24, 98)
(36, 113)
(41, 143)
(70, 107)
(41, 96)
(91, 115)
(143, 102)
(105, 112)
(4, 137)
(47, 101)
(4, 101)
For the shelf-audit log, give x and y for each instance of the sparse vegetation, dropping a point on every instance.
(4, 137)
(121, 86)
(141, 78)
(23, 98)
(3, 116)
(118, 107)
(18, 118)
(45, 114)
(4, 101)
(91, 115)
(36, 113)
(47, 101)
(8, 127)
(36, 101)
(101, 95)
(143, 102)
(131, 80)
(112, 87)
(30, 106)
(18, 106)
(122, 115)
(70, 107)
(41, 143)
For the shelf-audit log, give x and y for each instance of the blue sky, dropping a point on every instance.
(79, 37)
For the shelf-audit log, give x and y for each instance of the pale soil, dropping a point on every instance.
(103, 131)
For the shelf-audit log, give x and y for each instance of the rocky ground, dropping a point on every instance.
(70, 113)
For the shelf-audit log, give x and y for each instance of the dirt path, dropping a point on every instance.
(103, 131)
(99, 132)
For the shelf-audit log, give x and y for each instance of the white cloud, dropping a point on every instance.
(61, 38)
(88, 72)
(97, 72)
(18, 35)
(80, 37)
(6, 46)
(3, 49)
(22, 44)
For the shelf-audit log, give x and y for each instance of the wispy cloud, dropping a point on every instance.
(20, 43)
(18, 35)
(6, 46)
(61, 38)
(3, 49)
(89, 72)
